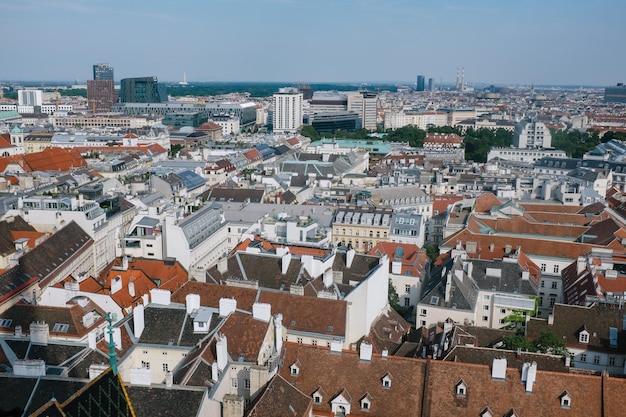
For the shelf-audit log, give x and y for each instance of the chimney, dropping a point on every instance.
(227, 306)
(222, 352)
(396, 267)
(116, 284)
(532, 375)
(550, 318)
(262, 311)
(222, 265)
(91, 338)
(214, 371)
(498, 369)
(525, 367)
(159, 296)
(568, 361)
(328, 278)
(336, 346)
(365, 352)
(117, 337)
(39, 333)
(385, 353)
(278, 330)
(350, 257)
(18, 331)
(581, 264)
(131, 287)
(169, 379)
(138, 320)
(491, 247)
(285, 260)
(525, 275)
(448, 287)
(124, 263)
(192, 302)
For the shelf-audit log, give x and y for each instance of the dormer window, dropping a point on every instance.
(317, 397)
(366, 402)
(386, 381)
(294, 369)
(566, 399)
(486, 412)
(461, 389)
(583, 336)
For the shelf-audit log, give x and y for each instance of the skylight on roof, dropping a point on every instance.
(61, 327)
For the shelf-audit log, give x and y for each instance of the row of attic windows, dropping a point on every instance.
(461, 391)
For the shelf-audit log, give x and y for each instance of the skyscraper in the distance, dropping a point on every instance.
(142, 90)
(102, 72)
(421, 83)
(287, 110)
(101, 93)
(431, 84)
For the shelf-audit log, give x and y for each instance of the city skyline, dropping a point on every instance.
(557, 43)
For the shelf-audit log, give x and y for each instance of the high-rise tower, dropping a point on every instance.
(287, 110)
(421, 83)
(102, 72)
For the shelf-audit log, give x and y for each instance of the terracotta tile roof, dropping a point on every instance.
(210, 294)
(441, 202)
(388, 331)
(414, 260)
(308, 314)
(14, 159)
(54, 252)
(253, 155)
(32, 236)
(570, 320)
(280, 399)
(501, 396)
(72, 315)
(5, 141)
(53, 159)
(485, 356)
(8, 228)
(485, 202)
(334, 373)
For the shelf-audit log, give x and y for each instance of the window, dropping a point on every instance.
(294, 370)
(299, 340)
(314, 342)
(555, 269)
(611, 360)
(461, 389)
(145, 365)
(485, 318)
(407, 301)
(583, 357)
(583, 337)
(552, 300)
(596, 359)
(486, 307)
(554, 285)
(317, 399)
(503, 311)
(407, 289)
(233, 382)
(387, 381)
(166, 367)
(246, 383)
(543, 269)
(423, 312)
(365, 405)
(566, 400)
(145, 352)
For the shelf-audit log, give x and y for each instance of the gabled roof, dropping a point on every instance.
(53, 159)
(597, 319)
(336, 372)
(279, 398)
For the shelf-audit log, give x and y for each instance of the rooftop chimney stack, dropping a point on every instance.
(350, 257)
(227, 306)
(365, 352)
(138, 320)
(222, 352)
(278, 328)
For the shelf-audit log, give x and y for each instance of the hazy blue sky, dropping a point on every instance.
(496, 41)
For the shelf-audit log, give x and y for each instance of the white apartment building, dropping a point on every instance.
(365, 104)
(30, 97)
(287, 110)
(532, 134)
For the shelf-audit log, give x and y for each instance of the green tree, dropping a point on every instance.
(309, 132)
(432, 251)
(518, 341)
(394, 298)
(175, 148)
(549, 342)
